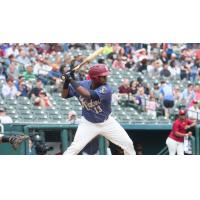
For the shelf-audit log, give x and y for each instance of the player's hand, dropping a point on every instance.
(189, 133)
(68, 76)
(67, 79)
(187, 127)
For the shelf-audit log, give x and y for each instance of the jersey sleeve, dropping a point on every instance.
(189, 122)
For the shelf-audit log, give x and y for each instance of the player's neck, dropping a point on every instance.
(94, 86)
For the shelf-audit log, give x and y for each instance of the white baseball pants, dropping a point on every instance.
(175, 147)
(110, 129)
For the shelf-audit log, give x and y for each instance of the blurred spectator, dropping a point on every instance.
(43, 100)
(130, 63)
(141, 99)
(188, 95)
(185, 70)
(12, 50)
(142, 65)
(118, 63)
(177, 94)
(133, 87)
(36, 90)
(4, 118)
(72, 117)
(23, 58)
(156, 90)
(197, 91)
(193, 71)
(54, 74)
(194, 111)
(165, 72)
(124, 88)
(108, 49)
(163, 57)
(13, 71)
(28, 74)
(154, 68)
(22, 88)
(167, 97)
(151, 105)
(9, 89)
(32, 54)
(41, 69)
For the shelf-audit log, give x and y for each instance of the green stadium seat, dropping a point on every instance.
(42, 118)
(27, 118)
(11, 101)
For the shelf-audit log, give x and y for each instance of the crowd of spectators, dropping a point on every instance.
(25, 69)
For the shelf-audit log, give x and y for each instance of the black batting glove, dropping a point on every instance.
(67, 77)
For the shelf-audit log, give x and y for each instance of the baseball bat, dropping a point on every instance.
(86, 60)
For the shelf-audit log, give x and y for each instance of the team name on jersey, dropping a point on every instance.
(88, 104)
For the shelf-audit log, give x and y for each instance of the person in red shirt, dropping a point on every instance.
(124, 88)
(179, 131)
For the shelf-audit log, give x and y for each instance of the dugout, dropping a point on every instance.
(151, 137)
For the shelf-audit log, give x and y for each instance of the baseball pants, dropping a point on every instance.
(110, 129)
(175, 147)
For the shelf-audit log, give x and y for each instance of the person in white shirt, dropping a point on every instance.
(194, 111)
(4, 118)
(9, 89)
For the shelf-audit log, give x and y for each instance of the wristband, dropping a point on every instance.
(75, 84)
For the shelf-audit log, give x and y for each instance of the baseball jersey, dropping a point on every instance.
(97, 108)
(179, 126)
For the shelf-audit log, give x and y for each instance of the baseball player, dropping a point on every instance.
(95, 97)
(14, 140)
(179, 131)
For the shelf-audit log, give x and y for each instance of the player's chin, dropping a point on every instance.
(104, 82)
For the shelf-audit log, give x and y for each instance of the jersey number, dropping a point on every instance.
(97, 109)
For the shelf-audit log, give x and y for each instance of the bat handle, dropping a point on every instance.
(63, 76)
(69, 72)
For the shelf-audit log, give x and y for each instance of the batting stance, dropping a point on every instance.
(95, 97)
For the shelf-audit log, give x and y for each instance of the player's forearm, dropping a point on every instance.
(193, 124)
(178, 134)
(81, 90)
(65, 93)
(65, 90)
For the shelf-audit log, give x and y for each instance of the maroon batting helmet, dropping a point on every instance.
(98, 70)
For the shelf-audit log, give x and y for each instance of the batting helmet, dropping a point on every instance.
(98, 70)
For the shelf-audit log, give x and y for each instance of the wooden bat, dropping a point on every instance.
(87, 60)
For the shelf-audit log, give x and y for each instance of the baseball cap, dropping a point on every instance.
(194, 101)
(156, 82)
(182, 112)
